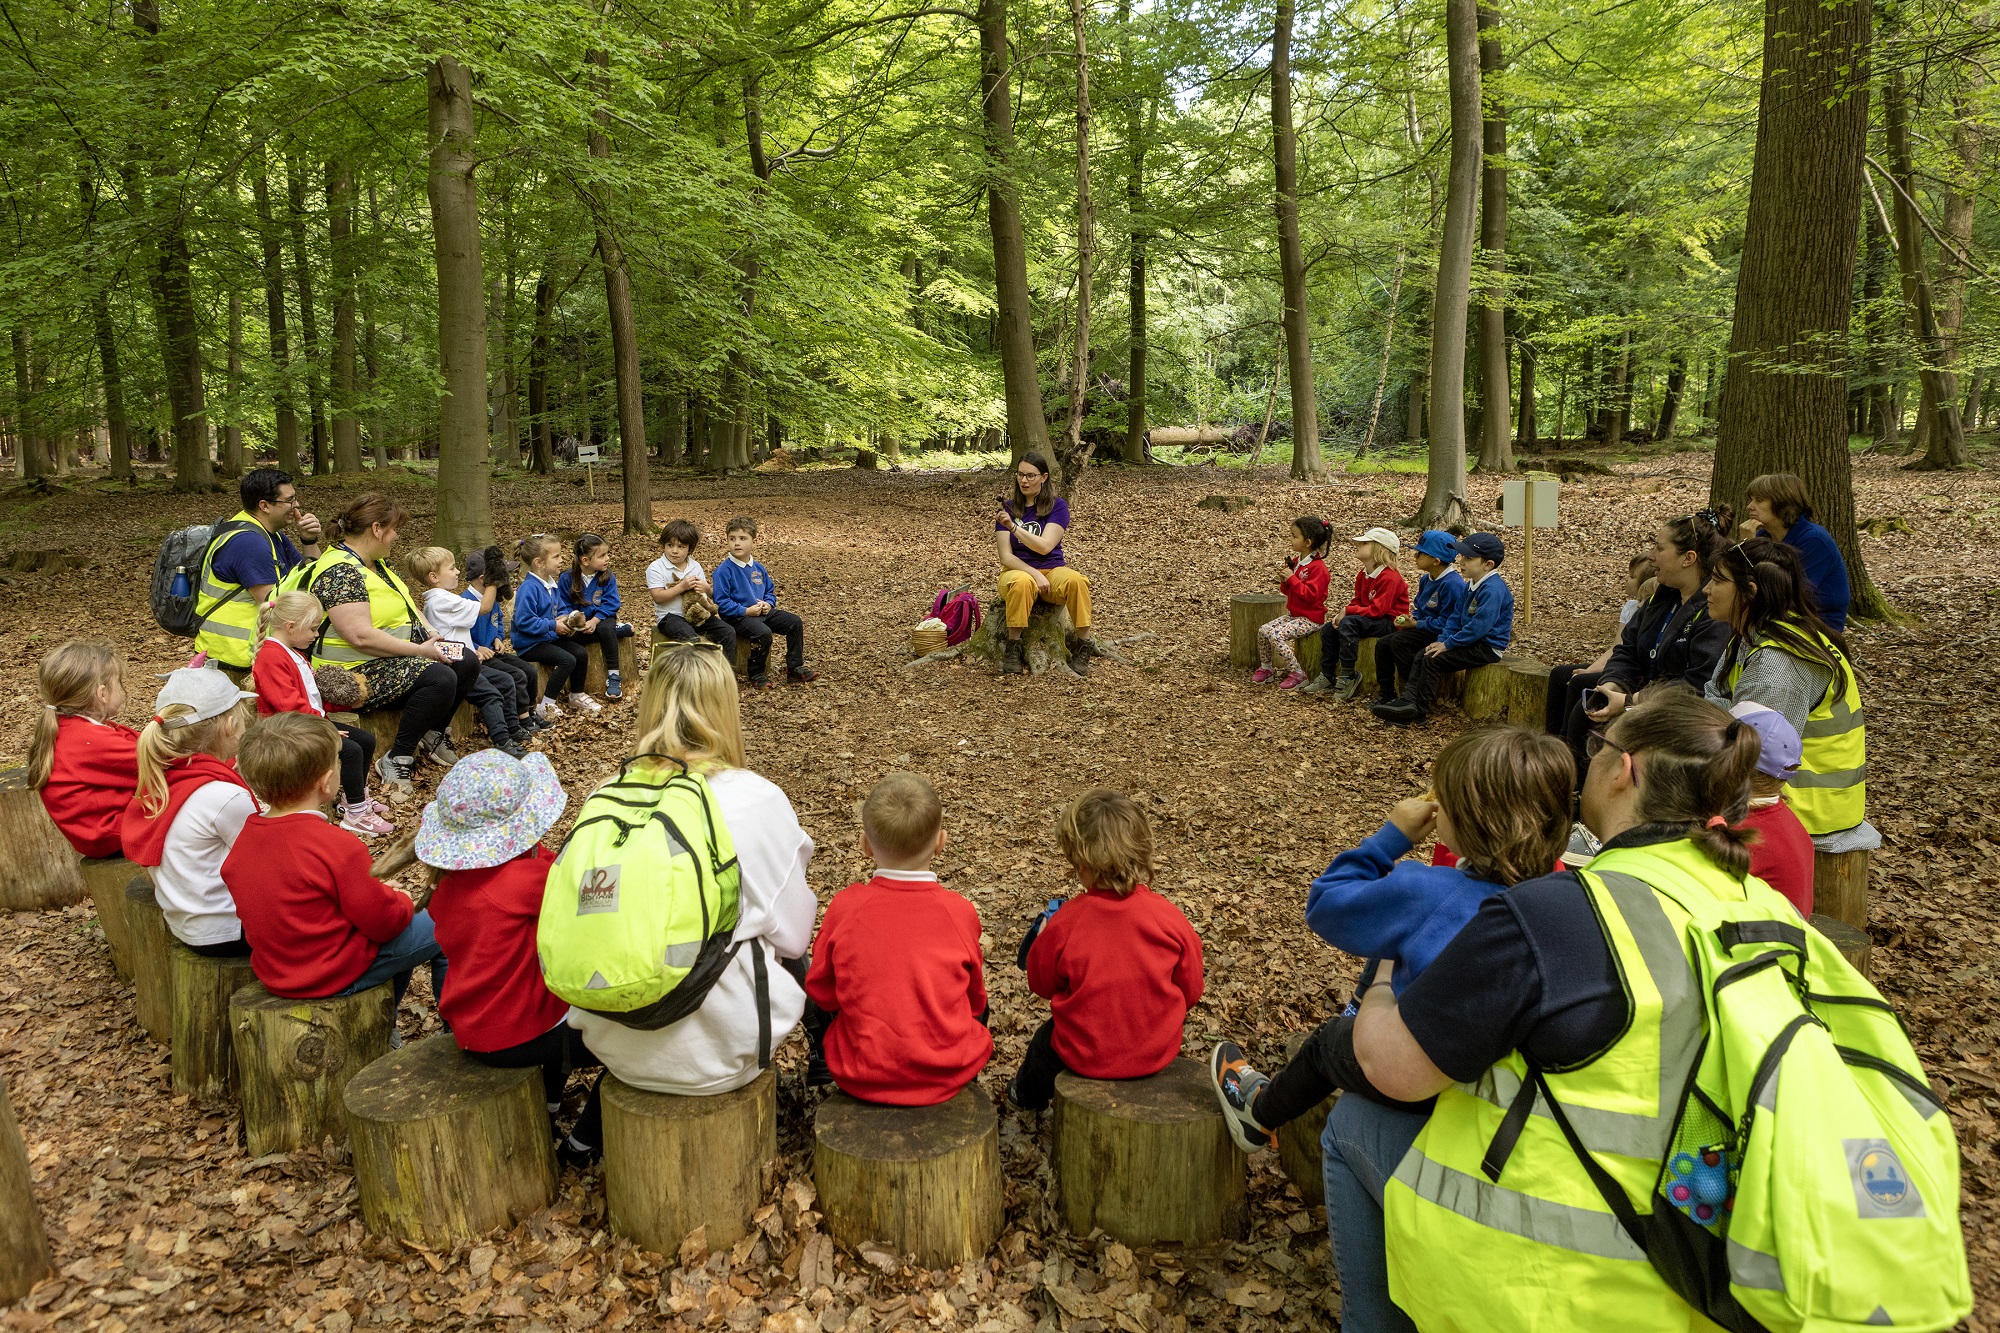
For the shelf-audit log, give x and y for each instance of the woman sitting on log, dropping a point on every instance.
(1030, 531)
(1779, 509)
(374, 629)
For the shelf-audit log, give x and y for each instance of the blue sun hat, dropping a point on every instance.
(489, 809)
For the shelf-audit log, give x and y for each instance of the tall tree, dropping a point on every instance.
(1496, 447)
(1075, 456)
(286, 416)
(34, 451)
(229, 459)
(340, 248)
(465, 505)
(1307, 460)
(1027, 425)
(295, 190)
(541, 431)
(1136, 137)
(624, 337)
(1938, 424)
(1444, 488)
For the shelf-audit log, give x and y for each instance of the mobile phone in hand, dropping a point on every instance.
(451, 649)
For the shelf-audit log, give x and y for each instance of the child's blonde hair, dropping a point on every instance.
(170, 736)
(426, 561)
(1106, 836)
(67, 681)
(536, 545)
(689, 710)
(297, 607)
(1375, 555)
(1506, 791)
(902, 816)
(286, 754)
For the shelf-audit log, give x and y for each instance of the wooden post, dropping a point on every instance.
(1855, 945)
(1299, 1155)
(672, 1164)
(1528, 551)
(445, 1148)
(152, 985)
(1248, 612)
(923, 1180)
(1840, 886)
(295, 1057)
(1148, 1159)
(204, 1063)
(38, 867)
(24, 1250)
(105, 879)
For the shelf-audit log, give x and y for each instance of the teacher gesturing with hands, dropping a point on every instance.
(1029, 531)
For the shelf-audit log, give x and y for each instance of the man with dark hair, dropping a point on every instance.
(247, 557)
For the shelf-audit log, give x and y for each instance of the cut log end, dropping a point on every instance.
(24, 1249)
(152, 984)
(673, 1164)
(923, 1180)
(1855, 944)
(1148, 1160)
(294, 1058)
(38, 867)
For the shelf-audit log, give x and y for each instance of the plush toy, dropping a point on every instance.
(341, 690)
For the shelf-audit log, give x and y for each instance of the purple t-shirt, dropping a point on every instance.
(246, 558)
(1034, 523)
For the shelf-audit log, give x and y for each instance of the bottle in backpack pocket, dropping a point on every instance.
(180, 585)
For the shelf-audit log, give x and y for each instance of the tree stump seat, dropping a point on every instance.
(672, 1164)
(445, 1148)
(661, 643)
(1149, 1160)
(204, 1060)
(1840, 886)
(1249, 612)
(595, 673)
(1515, 689)
(147, 937)
(38, 867)
(1299, 1154)
(24, 1248)
(105, 879)
(386, 722)
(294, 1058)
(1855, 944)
(922, 1180)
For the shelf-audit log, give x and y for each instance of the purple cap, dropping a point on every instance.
(1782, 749)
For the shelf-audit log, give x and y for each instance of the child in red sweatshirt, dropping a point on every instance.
(1304, 585)
(316, 919)
(1782, 855)
(897, 990)
(1380, 595)
(283, 678)
(1119, 965)
(85, 765)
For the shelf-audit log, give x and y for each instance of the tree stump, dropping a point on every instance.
(1364, 666)
(1149, 1159)
(672, 1164)
(295, 1057)
(1840, 886)
(386, 722)
(923, 1180)
(628, 664)
(1514, 689)
(446, 1148)
(204, 1061)
(1855, 944)
(24, 1250)
(38, 867)
(1299, 1154)
(105, 879)
(152, 984)
(1248, 613)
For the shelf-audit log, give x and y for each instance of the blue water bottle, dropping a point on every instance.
(181, 588)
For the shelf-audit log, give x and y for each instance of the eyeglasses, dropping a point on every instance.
(1597, 743)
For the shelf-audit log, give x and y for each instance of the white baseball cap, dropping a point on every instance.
(1389, 540)
(206, 690)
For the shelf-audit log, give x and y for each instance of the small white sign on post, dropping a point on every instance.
(1527, 504)
(586, 453)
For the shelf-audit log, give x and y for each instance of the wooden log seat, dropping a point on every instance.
(386, 722)
(38, 867)
(1149, 1160)
(922, 1180)
(105, 879)
(1251, 611)
(24, 1249)
(628, 664)
(1515, 689)
(661, 643)
(1299, 1155)
(672, 1164)
(147, 936)
(294, 1058)
(204, 1061)
(1840, 886)
(445, 1148)
(1854, 944)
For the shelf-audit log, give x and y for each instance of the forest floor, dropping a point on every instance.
(159, 1219)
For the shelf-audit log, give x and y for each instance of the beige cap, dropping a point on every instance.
(1389, 540)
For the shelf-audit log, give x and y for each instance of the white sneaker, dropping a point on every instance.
(548, 710)
(583, 703)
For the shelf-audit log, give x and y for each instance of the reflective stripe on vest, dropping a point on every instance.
(229, 616)
(390, 610)
(1829, 792)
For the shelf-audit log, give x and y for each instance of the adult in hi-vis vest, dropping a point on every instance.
(1584, 974)
(1785, 657)
(375, 627)
(248, 556)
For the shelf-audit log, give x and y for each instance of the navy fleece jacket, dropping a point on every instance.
(1372, 905)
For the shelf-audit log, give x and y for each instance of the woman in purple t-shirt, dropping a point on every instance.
(1030, 532)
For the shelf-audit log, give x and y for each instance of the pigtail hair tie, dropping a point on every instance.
(1717, 821)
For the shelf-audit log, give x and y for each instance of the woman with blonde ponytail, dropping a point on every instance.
(85, 765)
(190, 806)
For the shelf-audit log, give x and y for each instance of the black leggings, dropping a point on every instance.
(429, 704)
(605, 636)
(557, 1051)
(525, 678)
(1564, 716)
(570, 663)
(357, 752)
(1324, 1063)
(1034, 1087)
(715, 629)
(236, 948)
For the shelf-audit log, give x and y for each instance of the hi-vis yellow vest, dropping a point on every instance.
(229, 616)
(391, 609)
(1830, 791)
(1537, 1250)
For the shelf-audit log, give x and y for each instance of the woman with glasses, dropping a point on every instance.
(1030, 532)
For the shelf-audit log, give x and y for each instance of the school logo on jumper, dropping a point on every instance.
(599, 890)
(1882, 1187)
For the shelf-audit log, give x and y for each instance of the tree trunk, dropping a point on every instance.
(1307, 460)
(294, 1058)
(1496, 415)
(340, 245)
(673, 437)
(541, 449)
(34, 452)
(204, 1060)
(465, 508)
(24, 1247)
(1794, 286)
(1444, 490)
(1075, 456)
(1670, 403)
(114, 387)
(230, 464)
(1940, 430)
(1388, 346)
(1530, 430)
(295, 190)
(274, 316)
(633, 462)
(655, 1198)
(1027, 425)
(1148, 1160)
(1618, 414)
(1876, 328)
(1135, 209)
(923, 1179)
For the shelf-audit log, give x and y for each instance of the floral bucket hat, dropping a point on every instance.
(489, 809)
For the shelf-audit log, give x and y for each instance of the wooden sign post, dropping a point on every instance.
(1528, 503)
(586, 454)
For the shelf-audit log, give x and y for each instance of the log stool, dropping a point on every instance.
(1299, 1154)
(295, 1057)
(672, 1164)
(628, 670)
(1854, 944)
(37, 865)
(24, 1250)
(1514, 689)
(204, 1063)
(662, 644)
(1840, 886)
(105, 879)
(147, 937)
(445, 1148)
(923, 1180)
(1149, 1159)
(1251, 611)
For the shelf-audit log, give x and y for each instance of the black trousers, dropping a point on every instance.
(236, 948)
(1393, 658)
(715, 629)
(1565, 716)
(1340, 641)
(557, 1051)
(605, 636)
(1034, 1085)
(1325, 1063)
(357, 752)
(759, 629)
(526, 680)
(568, 662)
(430, 702)
(1427, 670)
(492, 697)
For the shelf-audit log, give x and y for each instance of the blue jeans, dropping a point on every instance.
(1360, 1148)
(400, 956)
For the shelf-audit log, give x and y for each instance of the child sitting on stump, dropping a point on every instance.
(1437, 605)
(1474, 640)
(286, 628)
(85, 765)
(1304, 586)
(1119, 965)
(748, 599)
(590, 589)
(1502, 800)
(896, 991)
(1380, 597)
(493, 695)
(318, 922)
(487, 583)
(678, 587)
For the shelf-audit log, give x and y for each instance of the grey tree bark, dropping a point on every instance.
(1027, 425)
(1307, 459)
(287, 417)
(1496, 445)
(1444, 489)
(465, 506)
(340, 244)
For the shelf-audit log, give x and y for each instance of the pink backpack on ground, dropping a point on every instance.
(959, 609)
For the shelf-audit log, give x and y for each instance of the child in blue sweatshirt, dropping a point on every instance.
(1437, 606)
(545, 634)
(1475, 639)
(591, 588)
(748, 600)
(1502, 801)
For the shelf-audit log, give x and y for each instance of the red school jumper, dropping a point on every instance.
(485, 921)
(92, 778)
(1120, 975)
(276, 675)
(1382, 593)
(313, 915)
(1782, 856)
(897, 964)
(1305, 589)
